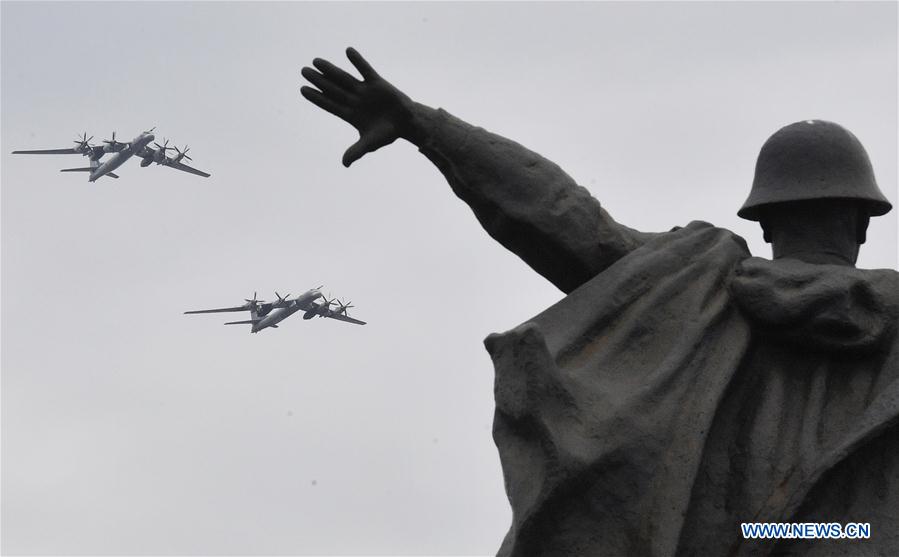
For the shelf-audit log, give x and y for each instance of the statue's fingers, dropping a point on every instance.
(335, 74)
(364, 67)
(328, 87)
(318, 99)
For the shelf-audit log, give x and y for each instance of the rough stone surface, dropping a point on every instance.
(682, 387)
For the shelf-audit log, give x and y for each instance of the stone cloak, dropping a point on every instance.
(675, 395)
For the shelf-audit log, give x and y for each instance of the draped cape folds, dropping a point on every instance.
(688, 388)
(681, 387)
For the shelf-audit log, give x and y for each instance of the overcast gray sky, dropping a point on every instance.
(129, 428)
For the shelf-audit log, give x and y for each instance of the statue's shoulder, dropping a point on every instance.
(705, 232)
(700, 225)
(891, 274)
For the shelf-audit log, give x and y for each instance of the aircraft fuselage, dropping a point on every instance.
(277, 315)
(117, 159)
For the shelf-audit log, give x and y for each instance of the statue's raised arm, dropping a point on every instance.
(524, 201)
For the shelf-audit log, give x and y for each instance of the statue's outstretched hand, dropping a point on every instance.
(377, 109)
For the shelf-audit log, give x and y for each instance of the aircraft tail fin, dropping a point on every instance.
(247, 322)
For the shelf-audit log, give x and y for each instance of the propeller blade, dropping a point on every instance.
(182, 154)
(344, 307)
(83, 140)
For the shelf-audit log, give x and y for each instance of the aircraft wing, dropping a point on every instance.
(69, 151)
(347, 318)
(220, 310)
(183, 167)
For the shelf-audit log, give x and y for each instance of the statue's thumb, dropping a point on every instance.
(354, 153)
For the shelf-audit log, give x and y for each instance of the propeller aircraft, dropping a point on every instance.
(268, 314)
(119, 153)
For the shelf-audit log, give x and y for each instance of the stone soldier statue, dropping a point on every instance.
(682, 387)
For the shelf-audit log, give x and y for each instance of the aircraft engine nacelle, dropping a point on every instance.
(159, 156)
(146, 162)
(310, 314)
